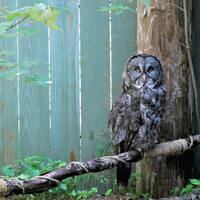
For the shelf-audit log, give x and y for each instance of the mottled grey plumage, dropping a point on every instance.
(136, 115)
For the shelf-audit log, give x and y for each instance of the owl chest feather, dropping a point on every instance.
(133, 110)
(136, 115)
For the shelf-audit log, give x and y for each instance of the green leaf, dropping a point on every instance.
(195, 182)
(27, 31)
(104, 180)
(187, 189)
(23, 176)
(9, 35)
(6, 53)
(94, 189)
(39, 12)
(108, 192)
(11, 74)
(31, 172)
(22, 12)
(8, 171)
(117, 7)
(175, 191)
(3, 61)
(46, 169)
(5, 64)
(63, 187)
(62, 164)
(37, 79)
(73, 193)
(28, 64)
(48, 16)
(3, 27)
(36, 163)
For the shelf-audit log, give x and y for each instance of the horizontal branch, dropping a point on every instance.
(52, 179)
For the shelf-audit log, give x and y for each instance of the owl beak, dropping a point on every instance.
(144, 79)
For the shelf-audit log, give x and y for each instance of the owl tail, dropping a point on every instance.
(123, 174)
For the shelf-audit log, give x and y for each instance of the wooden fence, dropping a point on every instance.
(83, 63)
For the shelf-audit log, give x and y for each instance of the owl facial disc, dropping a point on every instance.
(143, 71)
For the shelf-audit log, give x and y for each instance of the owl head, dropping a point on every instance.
(142, 71)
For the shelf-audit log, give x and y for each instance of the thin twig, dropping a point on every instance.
(17, 23)
(191, 67)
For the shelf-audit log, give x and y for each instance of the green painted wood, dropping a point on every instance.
(94, 31)
(123, 43)
(34, 98)
(95, 79)
(8, 102)
(65, 138)
(124, 30)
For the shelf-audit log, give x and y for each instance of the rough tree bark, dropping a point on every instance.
(161, 33)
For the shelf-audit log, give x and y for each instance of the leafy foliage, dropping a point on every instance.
(41, 13)
(195, 182)
(108, 192)
(4, 27)
(117, 8)
(27, 31)
(10, 74)
(175, 191)
(31, 166)
(70, 188)
(187, 189)
(39, 79)
(193, 185)
(36, 165)
(84, 194)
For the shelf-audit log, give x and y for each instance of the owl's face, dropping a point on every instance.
(143, 71)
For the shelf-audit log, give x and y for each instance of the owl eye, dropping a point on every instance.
(150, 69)
(137, 69)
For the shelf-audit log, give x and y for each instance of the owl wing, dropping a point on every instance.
(119, 118)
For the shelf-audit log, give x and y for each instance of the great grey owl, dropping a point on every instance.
(136, 115)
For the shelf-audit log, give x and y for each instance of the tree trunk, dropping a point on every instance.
(161, 32)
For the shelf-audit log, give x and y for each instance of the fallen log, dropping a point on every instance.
(52, 179)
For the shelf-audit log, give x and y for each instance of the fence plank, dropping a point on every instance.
(65, 138)
(123, 36)
(34, 98)
(95, 92)
(123, 43)
(35, 134)
(95, 74)
(8, 100)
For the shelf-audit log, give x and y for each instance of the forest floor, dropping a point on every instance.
(110, 198)
(188, 197)
(98, 197)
